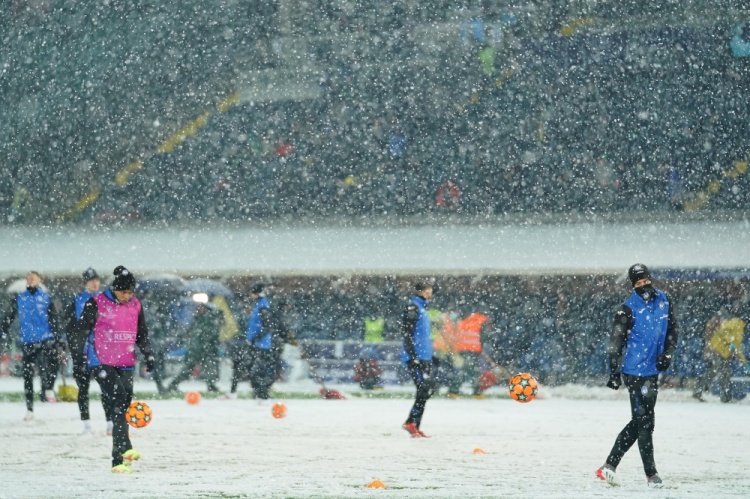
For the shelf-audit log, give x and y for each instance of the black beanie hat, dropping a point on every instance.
(420, 286)
(124, 280)
(89, 274)
(257, 288)
(638, 272)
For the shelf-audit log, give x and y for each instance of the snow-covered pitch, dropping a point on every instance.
(335, 448)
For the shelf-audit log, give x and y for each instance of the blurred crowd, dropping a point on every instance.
(430, 107)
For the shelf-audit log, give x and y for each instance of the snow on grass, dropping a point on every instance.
(334, 448)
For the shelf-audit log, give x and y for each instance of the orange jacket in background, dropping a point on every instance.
(445, 341)
(470, 333)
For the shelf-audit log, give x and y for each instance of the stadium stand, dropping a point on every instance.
(523, 111)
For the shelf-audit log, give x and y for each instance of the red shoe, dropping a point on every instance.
(412, 429)
(415, 432)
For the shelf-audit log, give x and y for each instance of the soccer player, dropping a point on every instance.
(116, 324)
(260, 338)
(417, 354)
(76, 342)
(37, 317)
(641, 344)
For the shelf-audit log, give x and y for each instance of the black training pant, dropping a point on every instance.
(242, 361)
(263, 373)
(42, 355)
(643, 391)
(423, 378)
(82, 376)
(117, 391)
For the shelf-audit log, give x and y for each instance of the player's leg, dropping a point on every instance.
(646, 391)
(422, 377)
(27, 362)
(48, 364)
(624, 441)
(724, 375)
(82, 377)
(114, 385)
(182, 375)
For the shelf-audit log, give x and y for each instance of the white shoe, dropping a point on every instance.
(50, 396)
(608, 474)
(110, 427)
(229, 396)
(87, 430)
(29, 416)
(655, 482)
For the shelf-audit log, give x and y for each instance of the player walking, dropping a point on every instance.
(417, 354)
(643, 339)
(37, 317)
(76, 342)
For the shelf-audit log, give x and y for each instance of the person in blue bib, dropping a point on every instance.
(260, 337)
(76, 344)
(37, 318)
(417, 353)
(641, 345)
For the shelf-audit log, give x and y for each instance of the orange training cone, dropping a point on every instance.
(377, 484)
(479, 451)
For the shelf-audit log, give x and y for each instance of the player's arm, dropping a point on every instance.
(670, 341)
(621, 326)
(54, 324)
(673, 330)
(143, 342)
(8, 318)
(69, 316)
(141, 338)
(408, 323)
(267, 321)
(87, 321)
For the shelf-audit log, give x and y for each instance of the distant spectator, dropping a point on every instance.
(367, 371)
(448, 196)
(722, 348)
(374, 326)
(740, 42)
(675, 187)
(203, 345)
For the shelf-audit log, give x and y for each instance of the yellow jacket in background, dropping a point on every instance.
(230, 329)
(727, 340)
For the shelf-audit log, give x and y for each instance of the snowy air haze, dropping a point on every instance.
(331, 160)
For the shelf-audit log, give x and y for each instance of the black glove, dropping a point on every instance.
(614, 381)
(662, 363)
(150, 363)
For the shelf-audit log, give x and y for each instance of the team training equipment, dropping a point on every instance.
(138, 414)
(192, 398)
(278, 410)
(523, 387)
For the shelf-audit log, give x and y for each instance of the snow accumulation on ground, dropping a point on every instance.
(335, 448)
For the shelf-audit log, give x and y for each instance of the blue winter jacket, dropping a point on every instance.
(259, 334)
